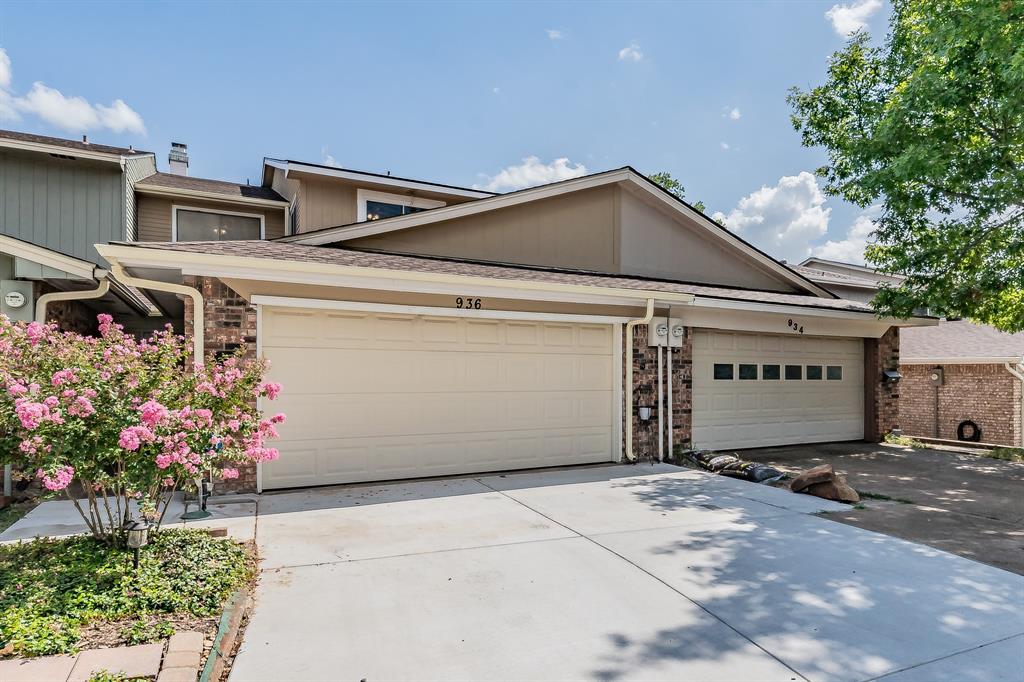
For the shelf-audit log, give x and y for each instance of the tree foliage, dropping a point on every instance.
(929, 126)
(673, 187)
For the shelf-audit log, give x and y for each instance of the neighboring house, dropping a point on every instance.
(421, 329)
(955, 372)
(58, 198)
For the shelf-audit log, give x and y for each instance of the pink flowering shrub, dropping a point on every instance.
(126, 419)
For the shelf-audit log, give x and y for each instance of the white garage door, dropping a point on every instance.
(754, 390)
(374, 396)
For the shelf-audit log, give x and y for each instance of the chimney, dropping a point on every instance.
(178, 158)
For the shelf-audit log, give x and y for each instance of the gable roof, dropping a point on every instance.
(289, 165)
(837, 278)
(183, 185)
(626, 174)
(45, 143)
(951, 340)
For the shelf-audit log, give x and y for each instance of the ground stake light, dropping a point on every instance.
(138, 536)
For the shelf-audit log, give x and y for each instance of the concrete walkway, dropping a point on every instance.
(611, 573)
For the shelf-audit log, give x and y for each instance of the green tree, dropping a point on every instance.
(673, 187)
(930, 126)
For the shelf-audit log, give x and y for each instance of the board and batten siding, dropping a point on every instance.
(67, 205)
(154, 216)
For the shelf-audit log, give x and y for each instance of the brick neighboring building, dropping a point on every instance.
(955, 372)
(979, 372)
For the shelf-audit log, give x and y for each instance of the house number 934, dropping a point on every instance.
(796, 326)
(466, 303)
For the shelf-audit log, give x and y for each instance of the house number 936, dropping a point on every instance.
(796, 326)
(466, 303)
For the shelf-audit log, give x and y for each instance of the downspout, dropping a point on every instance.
(1018, 372)
(99, 292)
(197, 304)
(629, 377)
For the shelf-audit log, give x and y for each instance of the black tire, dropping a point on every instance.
(975, 431)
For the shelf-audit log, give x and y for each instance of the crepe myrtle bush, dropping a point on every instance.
(119, 420)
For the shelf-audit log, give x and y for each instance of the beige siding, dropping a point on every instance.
(154, 216)
(325, 203)
(571, 231)
(135, 169)
(657, 243)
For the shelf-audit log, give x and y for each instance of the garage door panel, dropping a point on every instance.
(755, 413)
(371, 397)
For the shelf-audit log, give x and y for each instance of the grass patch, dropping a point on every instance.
(905, 441)
(11, 514)
(52, 590)
(885, 498)
(1006, 454)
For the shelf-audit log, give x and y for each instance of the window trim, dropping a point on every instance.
(176, 207)
(364, 195)
(842, 373)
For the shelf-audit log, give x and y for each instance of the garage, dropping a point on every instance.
(374, 395)
(756, 390)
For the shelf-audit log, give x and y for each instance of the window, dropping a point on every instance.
(834, 373)
(814, 372)
(373, 205)
(722, 372)
(748, 372)
(770, 372)
(794, 372)
(200, 225)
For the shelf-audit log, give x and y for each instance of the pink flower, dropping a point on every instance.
(103, 318)
(17, 389)
(64, 376)
(133, 437)
(82, 407)
(31, 414)
(277, 418)
(60, 479)
(35, 332)
(228, 472)
(51, 401)
(152, 412)
(271, 389)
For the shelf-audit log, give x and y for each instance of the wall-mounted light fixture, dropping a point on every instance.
(644, 412)
(891, 376)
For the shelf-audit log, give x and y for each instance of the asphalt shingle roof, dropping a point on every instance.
(275, 250)
(228, 189)
(69, 144)
(959, 339)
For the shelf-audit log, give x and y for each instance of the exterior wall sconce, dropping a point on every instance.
(645, 413)
(891, 376)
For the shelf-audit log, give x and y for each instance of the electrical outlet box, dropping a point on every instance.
(935, 376)
(658, 332)
(676, 332)
(16, 300)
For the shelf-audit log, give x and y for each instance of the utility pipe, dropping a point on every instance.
(44, 300)
(671, 407)
(661, 402)
(197, 304)
(629, 376)
(1019, 373)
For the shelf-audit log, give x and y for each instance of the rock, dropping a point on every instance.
(819, 474)
(836, 489)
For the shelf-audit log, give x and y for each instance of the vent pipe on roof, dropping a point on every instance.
(178, 158)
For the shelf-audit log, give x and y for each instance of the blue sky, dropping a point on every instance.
(456, 93)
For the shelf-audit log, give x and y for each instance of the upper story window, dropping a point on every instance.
(379, 205)
(204, 225)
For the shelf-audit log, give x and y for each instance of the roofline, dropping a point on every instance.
(333, 274)
(289, 165)
(208, 196)
(624, 174)
(976, 360)
(55, 259)
(841, 283)
(42, 147)
(854, 266)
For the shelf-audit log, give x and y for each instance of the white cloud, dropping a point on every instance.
(327, 158)
(69, 113)
(782, 220)
(5, 69)
(733, 114)
(847, 19)
(850, 249)
(531, 172)
(631, 53)
(724, 146)
(554, 34)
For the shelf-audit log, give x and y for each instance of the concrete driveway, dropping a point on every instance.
(611, 573)
(962, 503)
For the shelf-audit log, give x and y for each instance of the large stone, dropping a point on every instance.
(187, 640)
(37, 669)
(133, 661)
(836, 489)
(819, 474)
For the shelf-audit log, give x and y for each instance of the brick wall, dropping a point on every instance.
(229, 323)
(988, 395)
(645, 393)
(70, 316)
(881, 399)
